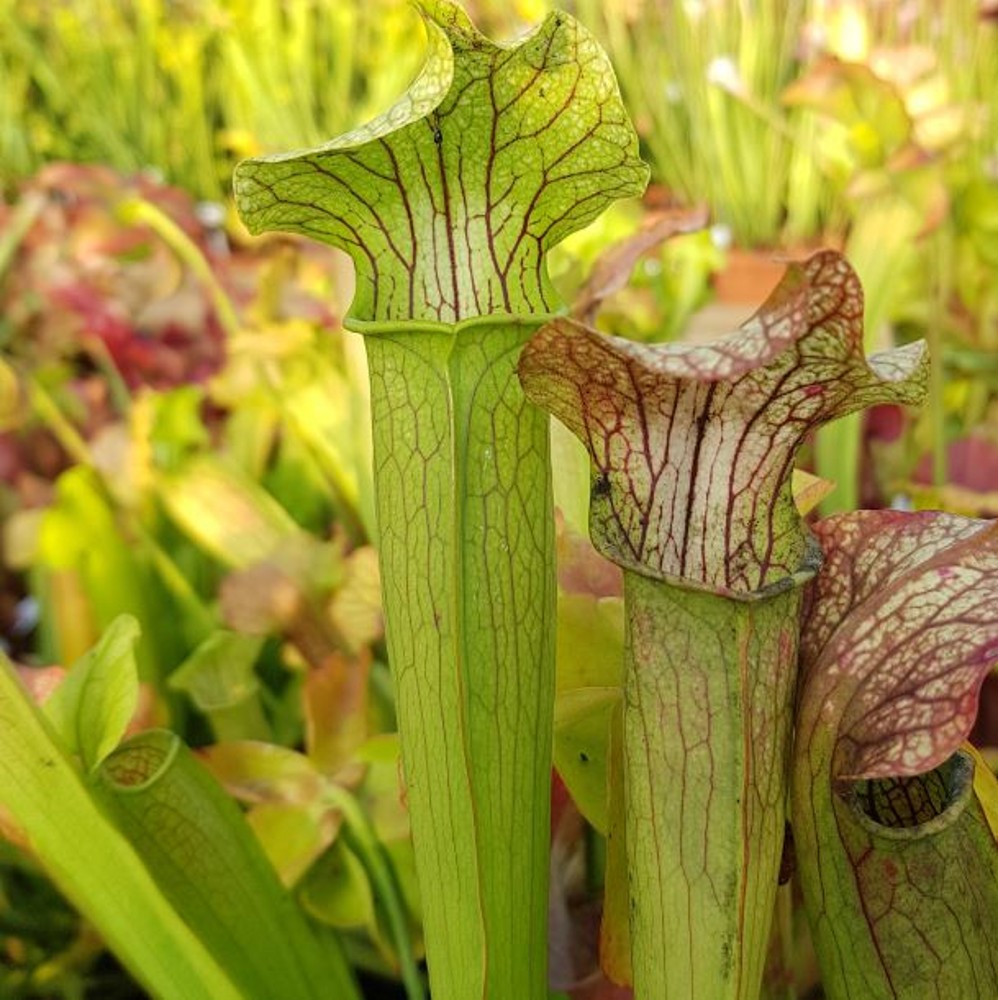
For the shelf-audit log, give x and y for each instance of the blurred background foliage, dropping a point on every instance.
(183, 419)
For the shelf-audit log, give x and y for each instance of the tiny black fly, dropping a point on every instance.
(601, 486)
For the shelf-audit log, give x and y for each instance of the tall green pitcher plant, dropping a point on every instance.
(447, 204)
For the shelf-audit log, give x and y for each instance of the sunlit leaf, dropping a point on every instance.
(809, 490)
(227, 513)
(869, 109)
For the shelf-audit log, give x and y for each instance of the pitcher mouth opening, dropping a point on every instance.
(894, 808)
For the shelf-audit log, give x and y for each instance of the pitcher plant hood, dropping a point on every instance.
(693, 446)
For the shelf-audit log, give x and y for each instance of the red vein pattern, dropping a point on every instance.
(693, 446)
(900, 630)
(448, 201)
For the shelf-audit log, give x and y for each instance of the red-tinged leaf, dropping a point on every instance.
(693, 445)
(335, 703)
(899, 633)
(613, 268)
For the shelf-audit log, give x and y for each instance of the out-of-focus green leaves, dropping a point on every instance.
(337, 830)
(335, 705)
(88, 571)
(873, 121)
(219, 679)
(92, 707)
(280, 375)
(338, 891)
(232, 517)
(182, 494)
(292, 836)
(227, 79)
(10, 397)
(260, 772)
(976, 214)
(590, 633)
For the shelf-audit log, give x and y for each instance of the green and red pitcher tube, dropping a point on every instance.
(692, 450)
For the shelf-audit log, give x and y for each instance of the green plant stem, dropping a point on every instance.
(364, 841)
(463, 498)
(708, 688)
(198, 618)
(65, 433)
